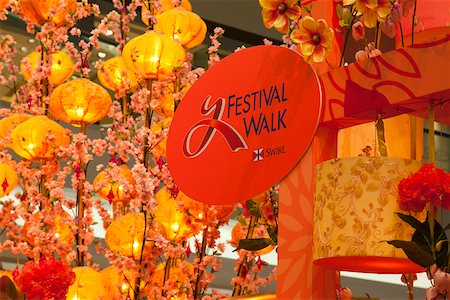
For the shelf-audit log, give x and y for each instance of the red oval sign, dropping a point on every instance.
(244, 125)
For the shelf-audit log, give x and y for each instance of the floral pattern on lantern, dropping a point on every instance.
(114, 75)
(152, 55)
(88, 285)
(354, 212)
(38, 138)
(182, 25)
(39, 12)
(8, 179)
(171, 219)
(79, 101)
(114, 189)
(62, 66)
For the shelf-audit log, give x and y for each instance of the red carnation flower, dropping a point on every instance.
(48, 279)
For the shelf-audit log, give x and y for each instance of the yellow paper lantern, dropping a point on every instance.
(88, 285)
(171, 219)
(114, 74)
(62, 66)
(60, 227)
(114, 191)
(182, 25)
(160, 148)
(152, 55)
(38, 138)
(9, 123)
(165, 6)
(117, 285)
(79, 101)
(39, 12)
(354, 214)
(124, 236)
(8, 179)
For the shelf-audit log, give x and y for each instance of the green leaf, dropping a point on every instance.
(253, 244)
(339, 11)
(414, 223)
(273, 234)
(253, 208)
(242, 221)
(414, 252)
(305, 8)
(447, 227)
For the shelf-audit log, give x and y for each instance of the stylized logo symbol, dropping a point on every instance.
(258, 154)
(214, 124)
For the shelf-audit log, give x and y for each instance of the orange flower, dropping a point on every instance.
(372, 10)
(276, 13)
(314, 39)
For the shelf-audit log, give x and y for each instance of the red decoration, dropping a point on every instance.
(48, 279)
(428, 185)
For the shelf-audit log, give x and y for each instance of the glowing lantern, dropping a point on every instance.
(152, 55)
(167, 106)
(201, 212)
(124, 236)
(117, 285)
(9, 123)
(113, 75)
(88, 285)
(176, 275)
(182, 25)
(114, 190)
(160, 148)
(39, 12)
(60, 227)
(171, 219)
(62, 66)
(79, 101)
(38, 138)
(8, 179)
(165, 6)
(238, 233)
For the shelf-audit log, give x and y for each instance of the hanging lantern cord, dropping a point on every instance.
(150, 20)
(80, 209)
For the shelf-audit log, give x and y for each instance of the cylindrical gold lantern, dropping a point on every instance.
(8, 179)
(354, 214)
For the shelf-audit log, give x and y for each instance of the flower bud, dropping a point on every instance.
(396, 12)
(389, 28)
(361, 56)
(374, 53)
(358, 31)
(344, 294)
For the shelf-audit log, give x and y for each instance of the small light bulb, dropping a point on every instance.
(120, 188)
(80, 112)
(57, 235)
(31, 146)
(175, 227)
(135, 245)
(124, 287)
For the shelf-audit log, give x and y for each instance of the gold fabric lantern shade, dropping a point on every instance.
(182, 25)
(7, 124)
(171, 219)
(62, 66)
(114, 190)
(124, 236)
(88, 285)
(39, 12)
(79, 102)
(354, 214)
(31, 139)
(114, 75)
(152, 55)
(8, 179)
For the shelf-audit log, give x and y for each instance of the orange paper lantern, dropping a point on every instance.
(165, 6)
(62, 66)
(31, 141)
(8, 179)
(182, 25)
(79, 101)
(152, 55)
(9, 123)
(60, 227)
(176, 275)
(88, 285)
(114, 190)
(39, 12)
(171, 219)
(124, 236)
(117, 285)
(114, 75)
(160, 148)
